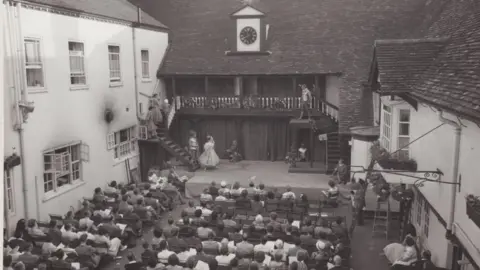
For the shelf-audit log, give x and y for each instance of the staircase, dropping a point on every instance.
(176, 150)
(333, 151)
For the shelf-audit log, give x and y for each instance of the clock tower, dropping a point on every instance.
(250, 30)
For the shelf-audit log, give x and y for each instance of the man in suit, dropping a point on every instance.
(174, 242)
(88, 252)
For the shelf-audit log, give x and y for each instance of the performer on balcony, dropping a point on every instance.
(154, 117)
(306, 101)
(193, 145)
(209, 158)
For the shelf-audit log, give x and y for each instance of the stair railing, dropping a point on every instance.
(329, 109)
(173, 110)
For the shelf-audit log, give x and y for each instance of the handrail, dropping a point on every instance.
(171, 113)
(256, 102)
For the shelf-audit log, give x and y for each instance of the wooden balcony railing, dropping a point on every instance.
(256, 102)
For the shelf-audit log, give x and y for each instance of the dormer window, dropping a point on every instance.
(251, 32)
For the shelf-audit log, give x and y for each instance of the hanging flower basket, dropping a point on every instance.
(473, 208)
(391, 162)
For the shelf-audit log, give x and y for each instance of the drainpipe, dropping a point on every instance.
(134, 39)
(455, 161)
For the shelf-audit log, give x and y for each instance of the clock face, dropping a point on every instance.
(248, 35)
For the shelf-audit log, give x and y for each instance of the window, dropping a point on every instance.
(33, 64)
(77, 63)
(426, 221)
(403, 133)
(122, 142)
(9, 192)
(387, 127)
(63, 165)
(145, 64)
(114, 63)
(419, 211)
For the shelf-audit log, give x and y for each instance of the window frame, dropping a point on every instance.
(67, 164)
(419, 209)
(115, 80)
(426, 219)
(405, 152)
(41, 57)
(145, 75)
(9, 187)
(123, 149)
(384, 138)
(77, 86)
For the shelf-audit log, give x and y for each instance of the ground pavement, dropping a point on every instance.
(365, 248)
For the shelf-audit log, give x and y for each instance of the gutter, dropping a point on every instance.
(455, 162)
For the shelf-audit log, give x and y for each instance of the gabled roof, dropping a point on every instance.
(400, 62)
(451, 80)
(247, 11)
(115, 9)
(305, 36)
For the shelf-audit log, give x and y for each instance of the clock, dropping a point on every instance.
(248, 35)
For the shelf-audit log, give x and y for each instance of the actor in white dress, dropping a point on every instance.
(209, 158)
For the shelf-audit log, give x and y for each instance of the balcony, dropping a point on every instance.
(252, 106)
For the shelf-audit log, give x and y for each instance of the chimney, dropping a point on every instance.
(139, 14)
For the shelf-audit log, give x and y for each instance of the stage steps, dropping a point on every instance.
(333, 151)
(176, 150)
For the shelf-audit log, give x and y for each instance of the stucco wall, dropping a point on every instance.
(63, 115)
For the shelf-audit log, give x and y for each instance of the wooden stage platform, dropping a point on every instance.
(304, 167)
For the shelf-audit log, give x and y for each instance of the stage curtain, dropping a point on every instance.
(255, 140)
(223, 132)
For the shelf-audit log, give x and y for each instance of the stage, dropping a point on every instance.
(272, 175)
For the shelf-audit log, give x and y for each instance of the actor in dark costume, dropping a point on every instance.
(193, 145)
(232, 153)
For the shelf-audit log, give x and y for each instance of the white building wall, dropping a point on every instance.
(63, 114)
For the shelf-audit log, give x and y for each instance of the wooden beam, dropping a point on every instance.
(317, 88)
(206, 87)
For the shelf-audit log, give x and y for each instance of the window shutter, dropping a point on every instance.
(110, 141)
(142, 132)
(85, 152)
(134, 133)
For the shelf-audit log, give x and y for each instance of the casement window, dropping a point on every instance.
(376, 109)
(403, 133)
(114, 63)
(426, 219)
(9, 191)
(63, 165)
(386, 127)
(34, 69)
(123, 142)
(145, 64)
(77, 63)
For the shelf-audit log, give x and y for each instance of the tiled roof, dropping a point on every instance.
(442, 73)
(115, 9)
(453, 80)
(305, 36)
(400, 62)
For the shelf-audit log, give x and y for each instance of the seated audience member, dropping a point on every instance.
(54, 233)
(144, 211)
(204, 231)
(339, 229)
(221, 198)
(243, 262)
(234, 264)
(213, 190)
(19, 266)
(48, 248)
(332, 193)
(83, 230)
(175, 242)
(169, 227)
(302, 256)
(157, 237)
(210, 246)
(14, 251)
(86, 221)
(190, 209)
(197, 219)
(337, 262)
(279, 248)
(163, 253)
(236, 190)
(293, 250)
(205, 211)
(323, 250)
(223, 188)
(86, 251)
(288, 237)
(244, 248)
(409, 256)
(185, 229)
(224, 258)
(111, 188)
(220, 231)
(7, 262)
(258, 222)
(98, 196)
(277, 226)
(270, 236)
(70, 248)
(288, 195)
(114, 245)
(229, 222)
(262, 247)
(323, 228)
(124, 206)
(254, 232)
(236, 236)
(148, 254)
(307, 238)
(213, 219)
(251, 188)
(135, 196)
(259, 260)
(261, 191)
(174, 263)
(200, 256)
(152, 202)
(257, 205)
(276, 263)
(205, 196)
(27, 257)
(33, 229)
(68, 234)
(243, 202)
(153, 264)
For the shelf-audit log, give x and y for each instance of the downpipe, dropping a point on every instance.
(455, 164)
